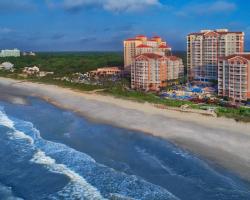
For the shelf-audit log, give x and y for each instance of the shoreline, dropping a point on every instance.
(221, 140)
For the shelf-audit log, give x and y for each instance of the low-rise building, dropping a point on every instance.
(234, 77)
(106, 71)
(10, 53)
(7, 66)
(31, 70)
(35, 71)
(43, 73)
(29, 53)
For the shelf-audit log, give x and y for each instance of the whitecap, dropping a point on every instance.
(77, 188)
(6, 193)
(61, 159)
(21, 135)
(5, 121)
(154, 158)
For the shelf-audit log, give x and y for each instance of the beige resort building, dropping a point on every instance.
(141, 44)
(234, 77)
(204, 48)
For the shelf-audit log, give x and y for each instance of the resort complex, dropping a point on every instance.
(234, 77)
(10, 53)
(206, 47)
(124, 100)
(150, 63)
(106, 71)
(151, 71)
(141, 44)
(217, 71)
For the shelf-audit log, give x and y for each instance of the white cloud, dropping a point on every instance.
(222, 6)
(16, 5)
(5, 30)
(111, 5)
(129, 5)
(208, 8)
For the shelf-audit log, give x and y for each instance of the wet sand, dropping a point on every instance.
(221, 140)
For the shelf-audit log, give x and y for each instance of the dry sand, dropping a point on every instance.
(221, 140)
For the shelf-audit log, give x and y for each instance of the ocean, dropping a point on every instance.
(51, 153)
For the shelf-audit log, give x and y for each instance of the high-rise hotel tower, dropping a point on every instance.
(234, 77)
(141, 44)
(206, 47)
(150, 63)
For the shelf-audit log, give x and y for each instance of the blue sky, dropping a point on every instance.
(90, 25)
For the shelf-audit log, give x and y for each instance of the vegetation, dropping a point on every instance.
(239, 114)
(120, 91)
(66, 84)
(64, 64)
(67, 63)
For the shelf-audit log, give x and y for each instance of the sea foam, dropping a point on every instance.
(6, 193)
(77, 188)
(61, 159)
(5, 121)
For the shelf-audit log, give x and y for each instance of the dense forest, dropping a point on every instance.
(67, 63)
(63, 63)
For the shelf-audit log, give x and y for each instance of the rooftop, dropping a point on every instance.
(218, 31)
(131, 39)
(173, 58)
(150, 55)
(143, 46)
(243, 55)
(140, 36)
(156, 37)
(163, 46)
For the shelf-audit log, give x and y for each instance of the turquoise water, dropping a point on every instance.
(49, 153)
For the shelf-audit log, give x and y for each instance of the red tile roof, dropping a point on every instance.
(156, 37)
(143, 46)
(150, 55)
(162, 46)
(221, 33)
(131, 39)
(173, 58)
(140, 36)
(195, 34)
(246, 56)
(237, 32)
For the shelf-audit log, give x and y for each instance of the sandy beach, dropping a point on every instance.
(221, 140)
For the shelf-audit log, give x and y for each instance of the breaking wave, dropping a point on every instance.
(6, 193)
(87, 178)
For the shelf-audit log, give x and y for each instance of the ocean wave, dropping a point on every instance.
(154, 158)
(6, 193)
(182, 153)
(88, 179)
(5, 121)
(78, 188)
